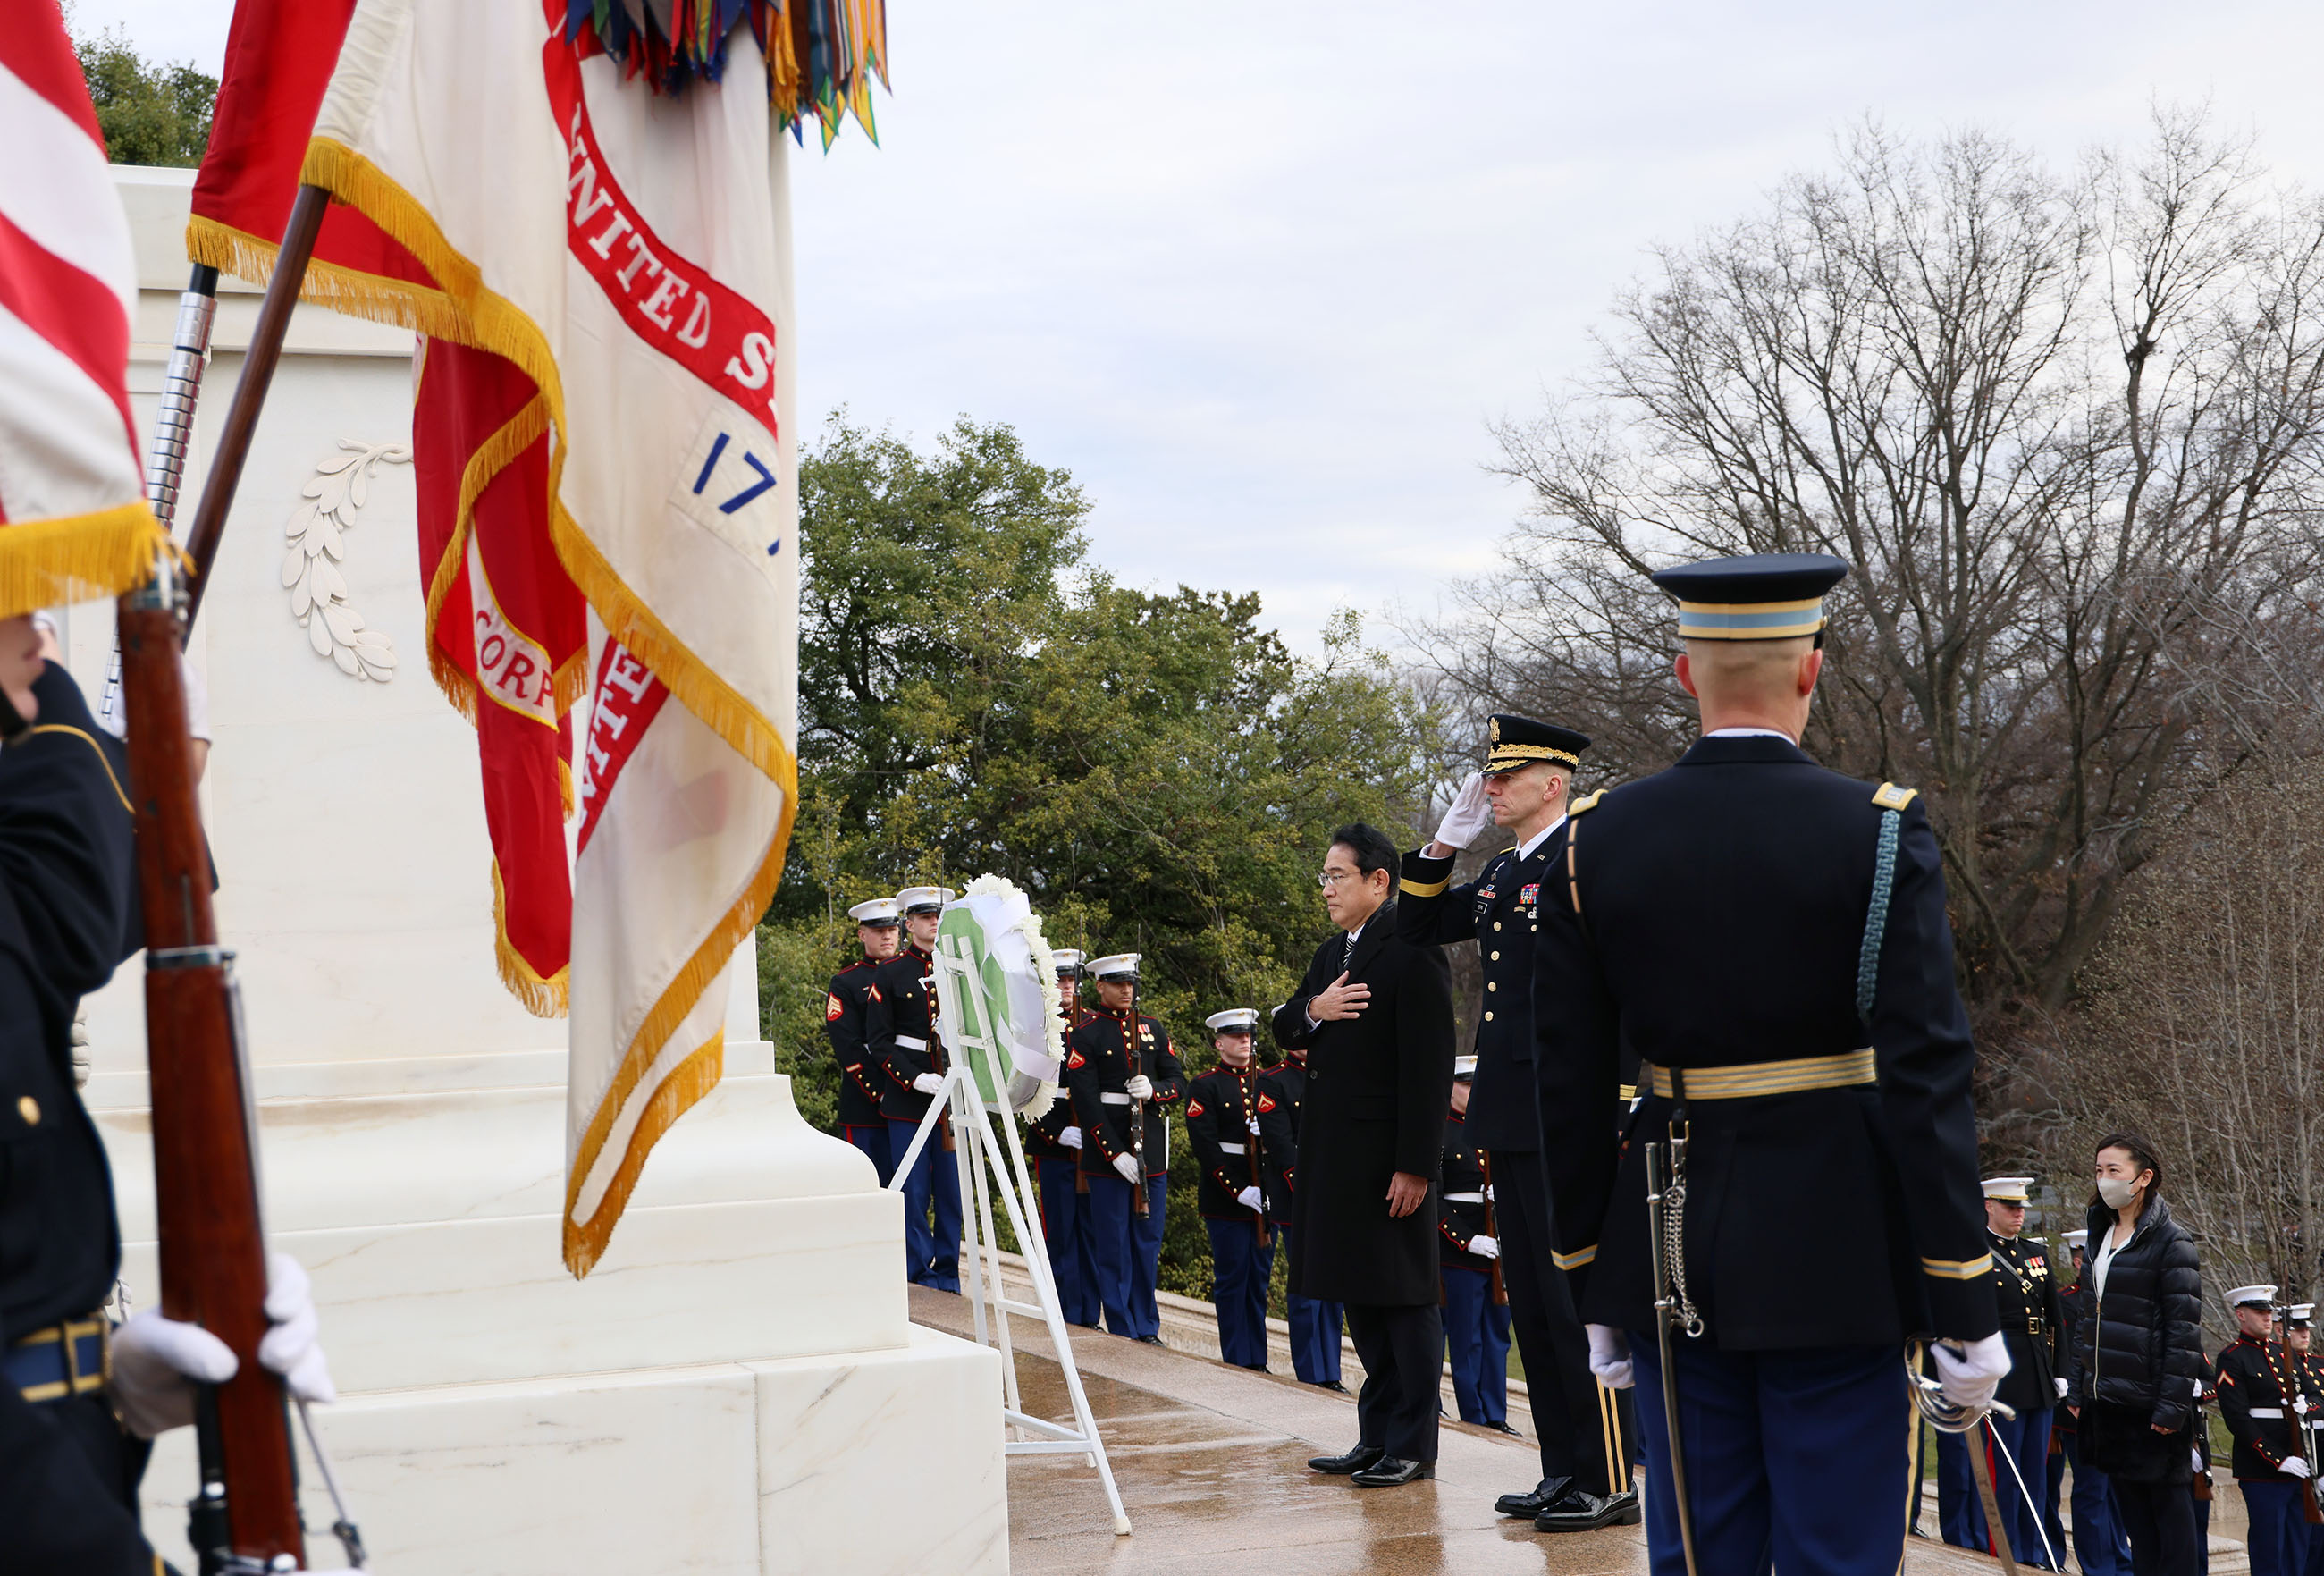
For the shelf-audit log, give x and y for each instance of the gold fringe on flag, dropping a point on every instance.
(74, 557)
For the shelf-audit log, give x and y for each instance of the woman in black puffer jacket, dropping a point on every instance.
(2137, 1363)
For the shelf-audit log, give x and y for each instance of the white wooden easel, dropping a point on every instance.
(967, 1032)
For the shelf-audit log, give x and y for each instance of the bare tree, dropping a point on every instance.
(2066, 428)
(2204, 1027)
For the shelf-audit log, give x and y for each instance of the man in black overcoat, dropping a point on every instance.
(1375, 1014)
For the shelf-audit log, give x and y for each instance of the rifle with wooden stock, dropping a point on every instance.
(1492, 1230)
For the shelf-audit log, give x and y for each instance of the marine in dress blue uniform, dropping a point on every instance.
(1713, 918)
(2026, 1300)
(846, 1012)
(1054, 1145)
(1241, 1140)
(2299, 1334)
(1583, 1431)
(2259, 1381)
(901, 1027)
(1316, 1324)
(1476, 1311)
(1105, 1059)
(2101, 1548)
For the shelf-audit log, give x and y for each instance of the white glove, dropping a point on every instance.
(928, 1083)
(2302, 1405)
(1250, 1198)
(1252, 1123)
(1141, 1087)
(153, 1360)
(1488, 1192)
(2062, 1387)
(1484, 1246)
(157, 1361)
(1129, 1169)
(1071, 1137)
(1471, 813)
(1610, 1357)
(290, 1348)
(2297, 1466)
(1970, 1374)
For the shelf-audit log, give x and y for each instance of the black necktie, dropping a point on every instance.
(1348, 952)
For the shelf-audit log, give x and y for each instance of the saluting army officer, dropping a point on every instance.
(2026, 1299)
(1053, 1146)
(901, 1027)
(2259, 1384)
(1528, 769)
(1242, 1139)
(1117, 1062)
(846, 1011)
(1719, 919)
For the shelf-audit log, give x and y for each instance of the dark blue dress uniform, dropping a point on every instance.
(1065, 1222)
(68, 1474)
(1713, 922)
(2257, 1382)
(1583, 1431)
(901, 1027)
(2032, 1318)
(862, 1079)
(1242, 1139)
(1315, 1332)
(1476, 1322)
(1128, 1248)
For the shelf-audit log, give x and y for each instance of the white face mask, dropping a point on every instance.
(2117, 1191)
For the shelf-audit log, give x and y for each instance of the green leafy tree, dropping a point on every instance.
(151, 113)
(1156, 769)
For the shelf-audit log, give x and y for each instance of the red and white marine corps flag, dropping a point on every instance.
(626, 251)
(74, 522)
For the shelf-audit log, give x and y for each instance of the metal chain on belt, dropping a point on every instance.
(1683, 1313)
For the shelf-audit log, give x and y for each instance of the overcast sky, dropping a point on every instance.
(1259, 275)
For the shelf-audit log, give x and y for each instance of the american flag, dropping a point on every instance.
(74, 522)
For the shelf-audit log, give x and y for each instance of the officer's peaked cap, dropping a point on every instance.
(1463, 1069)
(2302, 1315)
(924, 900)
(1519, 741)
(1764, 596)
(2007, 1190)
(878, 911)
(1233, 1020)
(1120, 965)
(1068, 960)
(2077, 1239)
(2258, 1296)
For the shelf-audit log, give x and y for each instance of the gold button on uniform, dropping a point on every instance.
(1488, 1016)
(1497, 924)
(30, 1110)
(1491, 985)
(1497, 957)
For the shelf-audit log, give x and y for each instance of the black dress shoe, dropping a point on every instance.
(1333, 1385)
(1504, 1428)
(1531, 1505)
(1355, 1461)
(1393, 1471)
(1153, 1340)
(1582, 1511)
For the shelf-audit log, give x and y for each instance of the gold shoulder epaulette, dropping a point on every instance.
(1587, 802)
(1892, 797)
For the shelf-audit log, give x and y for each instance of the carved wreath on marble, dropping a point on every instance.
(310, 565)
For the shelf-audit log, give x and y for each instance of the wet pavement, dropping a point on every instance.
(1212, 1465)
